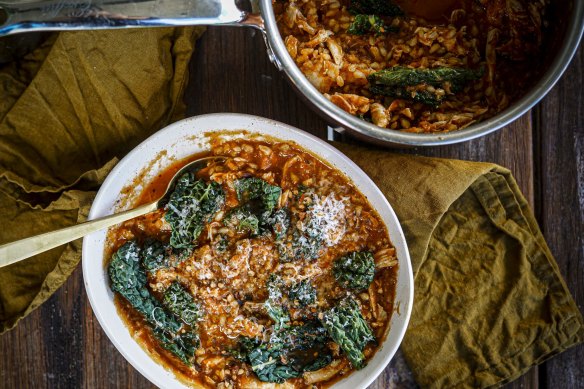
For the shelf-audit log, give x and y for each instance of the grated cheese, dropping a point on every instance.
(326, 215)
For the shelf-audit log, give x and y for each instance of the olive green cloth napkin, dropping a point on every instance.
(489, 302)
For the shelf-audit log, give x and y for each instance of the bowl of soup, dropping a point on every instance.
(280, 263)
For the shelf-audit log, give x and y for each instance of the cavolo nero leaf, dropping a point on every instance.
(288, 354)
(274, 303)
(375, 7)
(182, 345)
(433, 99)
(178, 301)
(281, 297)
(155, 255)
(266, 363)
(364, 24)
(355, 270)
(192, 204)
(243, 220)
(302, 244)
(254, 188)
(128, 278)
(249, 219)
(347, 327)
(302, 293)
(400, 76)
(307, 244)
(258, 213)
(410, 83)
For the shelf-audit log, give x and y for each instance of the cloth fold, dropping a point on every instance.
(67, 111)
(489, 299)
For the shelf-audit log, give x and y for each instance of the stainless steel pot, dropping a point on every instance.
(50, 15)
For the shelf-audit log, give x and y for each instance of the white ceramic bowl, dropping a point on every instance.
(185, 138)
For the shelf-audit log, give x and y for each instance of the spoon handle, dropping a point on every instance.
(25, 248)
(51, 15)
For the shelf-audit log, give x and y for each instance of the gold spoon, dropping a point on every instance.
(25, 248)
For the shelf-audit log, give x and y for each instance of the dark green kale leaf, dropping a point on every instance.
(178, 301)
(302, 293)
(420, 84)
(303, 244)
(306, 345)
(417, 94)
(155, 255)
(265, 361)
(254, 188)
(375, 7)
(306, 238)
(399, 76)
(192, 204)
(282, 297)
(307, 244)
(260, 200)
(243, 347)
(243, 220)
(274, 304)
(248, 218)
(182, 345)
(289, 353)
(128, 278)
(364, 24)
(347, 327)
(355, 270)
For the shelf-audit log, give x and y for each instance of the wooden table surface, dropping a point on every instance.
(61, 345)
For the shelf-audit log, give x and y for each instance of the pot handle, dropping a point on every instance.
(51, 15)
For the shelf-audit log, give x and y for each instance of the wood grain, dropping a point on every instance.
(61, 345)
(560, 170)
(231, 72)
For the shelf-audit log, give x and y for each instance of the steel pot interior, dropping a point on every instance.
(562, 38)
(564, 35)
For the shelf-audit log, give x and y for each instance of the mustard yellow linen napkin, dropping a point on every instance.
(489, 304)
(67, 110)
(489, 299)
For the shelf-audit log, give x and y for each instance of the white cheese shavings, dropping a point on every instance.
(326, 215)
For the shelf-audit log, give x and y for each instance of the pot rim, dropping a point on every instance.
(363, 129)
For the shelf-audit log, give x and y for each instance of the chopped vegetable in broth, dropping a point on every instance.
(420, 66)
(266, 267)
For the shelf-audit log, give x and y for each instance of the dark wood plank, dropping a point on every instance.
(560, 170)
(45, 349)
(22, 363)
(65, 315)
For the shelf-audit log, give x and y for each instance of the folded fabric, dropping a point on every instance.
(67, 110)
(489, 301)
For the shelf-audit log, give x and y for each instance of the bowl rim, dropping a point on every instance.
(375, 134)
(303, 139)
